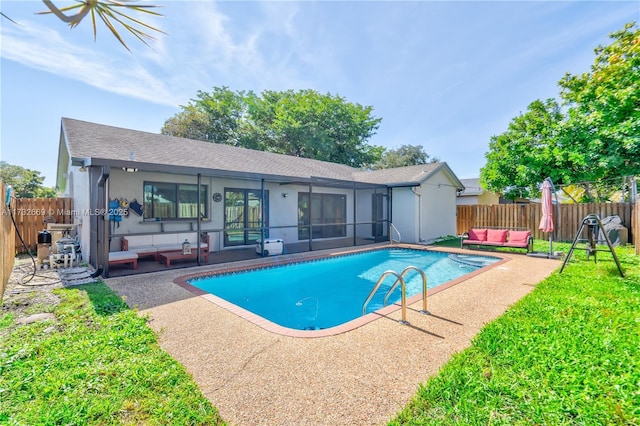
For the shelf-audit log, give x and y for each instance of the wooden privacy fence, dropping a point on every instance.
(635, 225)
(30, 214)
(566, 217)
(7, 237)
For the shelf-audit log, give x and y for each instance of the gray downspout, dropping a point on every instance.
(199, 222)
(419, 195)
(102, 221)
(310, 218)
(354, 214)
(263, 216)
(389, 211)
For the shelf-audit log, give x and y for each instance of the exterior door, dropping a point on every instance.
(243, 216)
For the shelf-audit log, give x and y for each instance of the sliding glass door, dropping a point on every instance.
(243, 216)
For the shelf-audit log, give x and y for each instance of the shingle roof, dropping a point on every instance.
(93, 142)
(471, 187)
(97, 141)
(399, 175)
(407, 176)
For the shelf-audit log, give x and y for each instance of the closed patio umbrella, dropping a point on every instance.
(546, 223)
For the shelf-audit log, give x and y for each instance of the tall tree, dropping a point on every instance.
(520, 158)
(596, 140)
(212, 117)
(24, 182)
(312, 125)
(406, 155)
(604, 108)
(302, 123)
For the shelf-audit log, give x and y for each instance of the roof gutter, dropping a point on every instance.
(404, 185)
(163, 168)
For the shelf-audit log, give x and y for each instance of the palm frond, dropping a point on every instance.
(6, 17)
(107, 11)
(113, 30)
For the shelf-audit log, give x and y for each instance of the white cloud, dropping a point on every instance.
(243, 45)
(45, 49)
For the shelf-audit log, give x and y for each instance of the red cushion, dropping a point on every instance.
(496, 235)
(478, 234)
(519, 237)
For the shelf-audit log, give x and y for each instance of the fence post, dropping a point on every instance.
(635, 226)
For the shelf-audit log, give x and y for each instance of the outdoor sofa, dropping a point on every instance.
(498, 238)
(155, 244)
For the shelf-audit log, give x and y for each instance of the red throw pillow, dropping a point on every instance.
(496, 236)
(478, 234)
(519, 237)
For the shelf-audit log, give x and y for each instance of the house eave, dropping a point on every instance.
(447, 170)
(220, 173)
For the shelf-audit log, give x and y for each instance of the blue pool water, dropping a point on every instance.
(329, 292)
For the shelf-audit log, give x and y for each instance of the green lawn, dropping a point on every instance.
(568, 353)
(96, 363)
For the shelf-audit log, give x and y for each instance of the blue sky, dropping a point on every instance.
(444, 75)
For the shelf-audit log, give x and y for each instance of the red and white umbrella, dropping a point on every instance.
(546, 223)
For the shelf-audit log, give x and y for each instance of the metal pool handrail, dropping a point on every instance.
(424, 288)
(403, 289)
(392, 227)
(404, 294)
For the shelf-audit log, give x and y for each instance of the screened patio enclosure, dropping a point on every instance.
(239, 212)
(303, 213)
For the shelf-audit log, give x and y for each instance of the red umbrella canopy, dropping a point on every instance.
(546, 223)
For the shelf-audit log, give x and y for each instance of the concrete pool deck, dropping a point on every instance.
(360, 377)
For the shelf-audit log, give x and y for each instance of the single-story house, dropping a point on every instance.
(474, 193)
(128, 183)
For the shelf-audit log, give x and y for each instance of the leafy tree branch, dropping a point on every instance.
(302, 123)
(593, 136)
(25, 183)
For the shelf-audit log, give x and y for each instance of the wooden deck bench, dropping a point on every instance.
(168, 256)
(487, 237)
(123, 257)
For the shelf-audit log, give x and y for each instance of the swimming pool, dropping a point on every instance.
(325, 293)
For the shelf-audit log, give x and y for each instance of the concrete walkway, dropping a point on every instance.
(362, 377)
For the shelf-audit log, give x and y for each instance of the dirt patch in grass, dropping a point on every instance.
(27, 294)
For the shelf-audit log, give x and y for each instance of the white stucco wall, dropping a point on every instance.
(405, 214)
(438, 208)
(422, 217)
(283, 211)
(78, 189)
(426, 212)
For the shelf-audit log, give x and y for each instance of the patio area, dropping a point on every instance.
(361, 377)
(147, 264)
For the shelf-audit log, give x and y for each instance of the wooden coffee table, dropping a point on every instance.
(168, 256)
